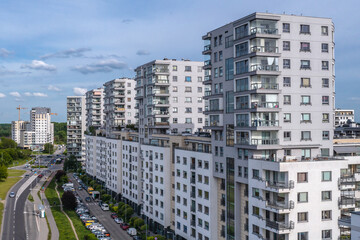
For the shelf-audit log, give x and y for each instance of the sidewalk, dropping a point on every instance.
(50, 217)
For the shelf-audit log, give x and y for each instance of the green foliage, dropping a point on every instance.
(128, 213)
(59, 174)
(90, 236)
(3, 172)
(144, 227)
(60, 132)
(5, 130)
(115, 209)
(48, 148)
(7, 143)
(132, 220)
(159, 237)
(105, 197)
(138, 223)
(72, 164)
(132, 127)
(68, 200)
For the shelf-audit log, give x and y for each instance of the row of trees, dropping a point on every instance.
(60, 132)
(10, 153)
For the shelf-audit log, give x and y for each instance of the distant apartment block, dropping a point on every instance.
(95, 108)
(169, 97)
(76, 125)
(343, 116)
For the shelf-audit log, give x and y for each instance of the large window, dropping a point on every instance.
(242, 84)
(229, 69)
(305, 82)
(326, 176)
(304, 47)
(242, 102)
(242, 67)
(326, 195)
(304, 29)
(242, 120)
(305, 135)
(302, 217)
(214, 104)
(229, 102)
(302, 197)
(305, 117)
(241, 49)
(241, 31)
(302, 177)
(305, 64)
(305, 100)
(303, 236)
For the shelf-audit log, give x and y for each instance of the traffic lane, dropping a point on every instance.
(9, 220)
(103, 216)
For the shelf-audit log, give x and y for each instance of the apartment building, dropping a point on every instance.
(35, 133)
(76, 126)
(169, 97)
(119, 104)
(343, 116)
(95, 108)
(270, 114)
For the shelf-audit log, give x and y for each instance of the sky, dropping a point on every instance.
(52, 49)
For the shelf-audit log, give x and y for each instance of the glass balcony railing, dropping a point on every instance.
(263, 30)
(207, 47)
(255, 86)
(264, 49)
(207, 63)
(280, 225)
(262, 67)
(207, 78)
(264, 123)
(270, 141)
(255, 105)
(160, 102)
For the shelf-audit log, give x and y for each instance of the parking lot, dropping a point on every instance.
(104, 217)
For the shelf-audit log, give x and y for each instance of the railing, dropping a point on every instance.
(255, 86)
(214, 123)
(343, 201)
(280, 185)
(265, 123)
(262, 30)
(207, 78)
(207, 47)
(161, 102)
(160, 70)
(273, 141)
(264, 105)
(207, 63)
(160, 92)
(261, 67)
(161, 123)
(280, 205)
(207, 93)
(264, 49)
(259, 235)
(160, 113)
(280, 225)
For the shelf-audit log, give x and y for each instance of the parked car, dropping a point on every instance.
(88, 199)
(40, 176)
(80, 188)
(105, 207)
(12, 195)
(132, 231)
(124, 226)
(114, 215)
(137, 238)
(118, 220)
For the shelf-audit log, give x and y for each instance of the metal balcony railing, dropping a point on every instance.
(263, 30)
(264, 49)
(280, 185)
(280, 225)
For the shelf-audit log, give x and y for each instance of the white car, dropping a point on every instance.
(118, 220)
(12, 195)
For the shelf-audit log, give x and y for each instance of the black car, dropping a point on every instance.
(88, 199)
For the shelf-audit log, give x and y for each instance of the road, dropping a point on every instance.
(103, 216)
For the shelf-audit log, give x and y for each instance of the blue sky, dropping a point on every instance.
(52, 49)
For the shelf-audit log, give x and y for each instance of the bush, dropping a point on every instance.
(159, 237)
(3, 172)
(144, 227)
(59, 174)
(132, 220)
(90, 236)
(105, 197)
(138, 223)
(68, 199)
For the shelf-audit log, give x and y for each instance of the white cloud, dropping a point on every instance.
(35, 94)
(79, 52)
(39, 65)
(4, 53)
(79, 91)
(2, 95)
(15, 94)
(102, 66)
(53, 88)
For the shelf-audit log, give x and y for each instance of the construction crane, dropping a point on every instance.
(20, 108)
(53, 114)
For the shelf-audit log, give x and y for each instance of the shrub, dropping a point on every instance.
(3, 172)
(68, 199)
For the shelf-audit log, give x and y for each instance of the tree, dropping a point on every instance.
(48, 148)
(128, 213)
(138, 223)
(90, 236)
(158, 237)
(59, 174)
(7, 143)
(68, 199)
(3, 172)
(105, 197)
(6, 158)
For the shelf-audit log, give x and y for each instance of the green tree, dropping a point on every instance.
(138, 223)
(128, 213)
(7, 143)
(90, 236)
(68, 200)
(159, 237)
(48, 148)
(6, 158)
(3, 172)
(105, 197)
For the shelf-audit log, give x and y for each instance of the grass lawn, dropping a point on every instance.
(62, 223)
(80, 228)
(15, 172)
(19, 162)
(1, 213)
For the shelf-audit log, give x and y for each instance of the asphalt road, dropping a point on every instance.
(103, 216)
(14, 221)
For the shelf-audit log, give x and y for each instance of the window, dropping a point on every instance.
(242, 67)
(220, 40)
(305, 100)
(188, 79)
(287, 117)
(216, 72)
(325, 82)
(305, 154)
(302, 217)
(305, 64)
(229, 101)
(324, 30)
(199, 69)
(326, 195)
(174, 78)
(325, 100)
(188, 120)
(242, 85)
(215, 41)
(302, 197)
(229, 69)
(229, 41)
(326, 176)
(241, 31)
(175, 109)
(304, 29)
(304, 47)
(187, 68)
(325, 117)
(302, 177)
(175, 99)
(215, 56)
(325, 65)
(199, 89)
(286, 63)
(287, 99)
(188, 99)
(287, 136)
(174, 68)
(325, 152)
(199, 79)
(326, 215)
(286, 27)
(188, 89)
(200, 120)
(220, 55)
(326, 234)
(199, 99)
(303, 236)
(221, 72)
(175, 89)
(175, 120)
(287, 152)
(325, 135)
(287, 82)
(305, 135)
(305, 117)
(242, 102)
(286, 45)
(188, 110)
(324, 47)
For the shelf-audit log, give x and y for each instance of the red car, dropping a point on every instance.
(113, 215)
(40, 176)
(124, 226)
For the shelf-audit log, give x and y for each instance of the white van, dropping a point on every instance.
(131, 231)
(105, 207)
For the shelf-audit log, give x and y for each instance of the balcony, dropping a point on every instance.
(207, 49)
(345, 202)
(344, 221)
(265, 50)
(259, 236)
(280, 185)
(160, 113)
(264, 123)
(269, 32)
(257, 105)
(264, 68)
(207, 80)
(207, 64)
(280, 205)
(280, 226)
(270, 141)
(266, 86)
